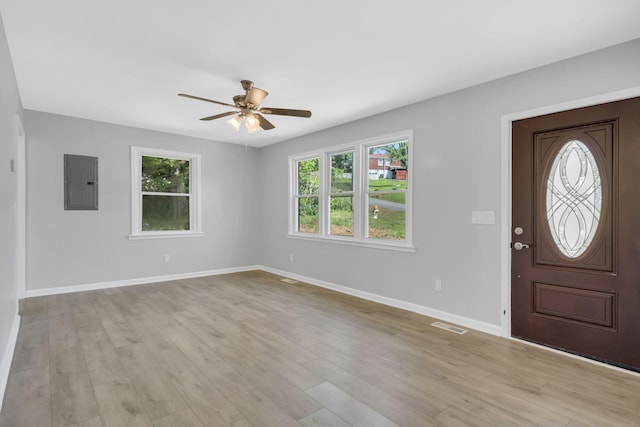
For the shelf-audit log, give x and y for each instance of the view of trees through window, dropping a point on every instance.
(308, 187)
(384, 178)
(341, 205)
(165, 194)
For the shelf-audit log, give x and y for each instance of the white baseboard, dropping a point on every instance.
(130, 282)
(7, 357)
(420, 309)
(5, 362)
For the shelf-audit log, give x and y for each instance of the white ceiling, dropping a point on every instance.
(124, 61)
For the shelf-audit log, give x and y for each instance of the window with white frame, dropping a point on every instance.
(339, 194)
(164, 193)
(306, 196)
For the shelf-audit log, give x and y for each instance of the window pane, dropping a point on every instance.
(388, 166)
(308, 221)
(308, 176)
(165, 213)
(341, 216)
(574, 199)
(387, 216)
(342, 172)
(162, 175)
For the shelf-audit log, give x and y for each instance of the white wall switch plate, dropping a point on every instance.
(483, 217)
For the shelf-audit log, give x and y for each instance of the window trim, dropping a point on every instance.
(195, 213)
(360, 171)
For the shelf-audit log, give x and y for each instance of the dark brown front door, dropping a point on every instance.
(575, 270)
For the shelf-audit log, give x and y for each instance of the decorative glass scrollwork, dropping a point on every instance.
(574, 198)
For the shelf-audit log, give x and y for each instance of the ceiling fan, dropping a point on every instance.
(248, 106)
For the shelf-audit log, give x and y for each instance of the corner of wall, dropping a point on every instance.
(11, 112)
(7, 357)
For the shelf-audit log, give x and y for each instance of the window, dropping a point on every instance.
(340, 194)
(387, 193)
(164, 193)
(308, 185)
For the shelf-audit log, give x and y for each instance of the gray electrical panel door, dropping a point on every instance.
(80, 182)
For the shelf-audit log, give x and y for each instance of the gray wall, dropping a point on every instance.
(10, 106)
(66, 248)
(457, 169)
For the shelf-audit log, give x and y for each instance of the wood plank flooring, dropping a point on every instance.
(248, 350)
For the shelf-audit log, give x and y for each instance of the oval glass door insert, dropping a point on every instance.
(574, 199)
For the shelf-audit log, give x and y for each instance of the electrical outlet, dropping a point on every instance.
(167, 258)
(290, 257)
(438, 286)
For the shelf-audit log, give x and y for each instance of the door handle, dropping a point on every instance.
(518, 246)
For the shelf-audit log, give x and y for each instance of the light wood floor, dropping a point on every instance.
(250, 350)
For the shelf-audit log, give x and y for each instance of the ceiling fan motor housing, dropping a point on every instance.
(239, 100)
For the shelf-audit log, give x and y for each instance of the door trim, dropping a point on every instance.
(506, 208)
(21, 209)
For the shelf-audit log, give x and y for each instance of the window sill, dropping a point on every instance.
(165, 235)
(351, 242)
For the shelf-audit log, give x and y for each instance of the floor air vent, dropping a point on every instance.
(289, 280)
(449, 328)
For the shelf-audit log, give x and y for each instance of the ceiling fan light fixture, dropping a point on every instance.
(252, 123)
(255, 96)
(235, 122)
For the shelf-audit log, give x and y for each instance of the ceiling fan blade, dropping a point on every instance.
(207, 100)
(264, 123)
(217, 116)
(285, 112)
(255, 96)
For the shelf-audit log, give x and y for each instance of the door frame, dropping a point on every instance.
(506, 168)
(21, 209)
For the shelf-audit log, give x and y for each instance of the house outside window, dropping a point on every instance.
(164, 193)
(341, 194)
(387, 194)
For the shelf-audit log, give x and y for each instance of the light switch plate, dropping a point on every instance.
(483, 217)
